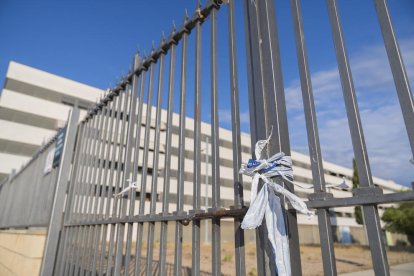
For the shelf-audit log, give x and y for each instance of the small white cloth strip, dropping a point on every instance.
(132, 185)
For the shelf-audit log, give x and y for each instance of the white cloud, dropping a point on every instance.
(384, 128)
(371, 73)
(386, 140)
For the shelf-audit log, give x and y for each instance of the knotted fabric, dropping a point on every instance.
(267, 203)
(132, 185)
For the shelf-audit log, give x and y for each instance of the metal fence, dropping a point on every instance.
(26, 196)
(123, 153)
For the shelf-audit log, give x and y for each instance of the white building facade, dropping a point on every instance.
(33, 105)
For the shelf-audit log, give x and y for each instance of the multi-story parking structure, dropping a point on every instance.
(33, 105)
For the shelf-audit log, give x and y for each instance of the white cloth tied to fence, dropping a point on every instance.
(132, 185)
(267, 203)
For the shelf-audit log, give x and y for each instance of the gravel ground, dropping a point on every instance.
(348, 258)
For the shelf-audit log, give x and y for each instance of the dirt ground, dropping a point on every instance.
(348, 258)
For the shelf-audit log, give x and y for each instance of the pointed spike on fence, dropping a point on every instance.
(120, 79)
(137, 60)
(143, 58)
(174, 27)
(123, 79)
(186, 15)
(162, 42)
(152, 47)
(198, 7)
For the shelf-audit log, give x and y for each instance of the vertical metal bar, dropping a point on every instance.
(54, 229)
(113, 144)
(79, 191)
(119, 227)
(266, 95)
(116, 164)
(38, 174)
(82, 234)
(91, 189)
(133, 144)
(325, 229)
(195, 267)
(137, 149)
(87, 189)
(92, 122)
(276, 113)
(401, 81)
(100, 193)
(9, 199)
(126, 172)
(215, 162)
(144, 166)
(95, 164)
(95, 189)
(153, 204)
(181, 154)
(69, 261)
(167, 161)
(72, 216)
(375, 237)
(45, 193)
(236, 141)
(91, 167)
(50, 188)
(107, 186)
(82, 167)
(207, 151)
(65, 246)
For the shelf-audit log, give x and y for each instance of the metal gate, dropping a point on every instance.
(115, 174)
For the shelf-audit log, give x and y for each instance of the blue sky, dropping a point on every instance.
(93, 42)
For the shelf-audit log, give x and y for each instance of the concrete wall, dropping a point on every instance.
(21, 251)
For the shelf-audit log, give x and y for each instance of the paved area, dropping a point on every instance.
(398, 270)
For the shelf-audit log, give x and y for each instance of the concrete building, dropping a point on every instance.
(33, 105)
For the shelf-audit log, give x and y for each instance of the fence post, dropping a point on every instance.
(267, 110)
(56, 218)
